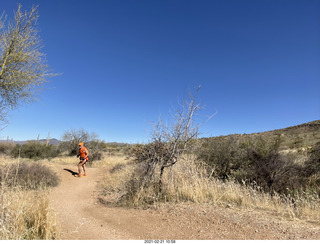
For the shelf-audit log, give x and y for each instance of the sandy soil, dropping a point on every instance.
(83, 217)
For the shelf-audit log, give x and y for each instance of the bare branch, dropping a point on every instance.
(169, 142)
(23, 67)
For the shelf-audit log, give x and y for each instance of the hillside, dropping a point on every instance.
(293, 137)
(52, 141)
(303, 135)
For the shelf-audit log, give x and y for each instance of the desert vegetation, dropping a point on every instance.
(25, 210)
(275, 171)
(264, 171)
(259, 171)
(280, 186)
(27, 176)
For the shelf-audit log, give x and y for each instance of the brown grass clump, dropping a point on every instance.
(29, 176)
(26, 215)
(25, 211)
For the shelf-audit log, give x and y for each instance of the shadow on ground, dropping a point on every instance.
(71, 172)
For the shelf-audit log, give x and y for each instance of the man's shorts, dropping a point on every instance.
(87, 159)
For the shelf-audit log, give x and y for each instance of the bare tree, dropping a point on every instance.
(168, 142)
(23, 68)
(72, 138)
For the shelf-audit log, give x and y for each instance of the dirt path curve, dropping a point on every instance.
(75, 201)
(82, 217)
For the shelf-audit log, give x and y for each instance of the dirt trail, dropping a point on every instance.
(82, 217)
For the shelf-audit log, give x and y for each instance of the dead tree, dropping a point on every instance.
(169, 142)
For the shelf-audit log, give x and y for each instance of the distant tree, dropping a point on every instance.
(23, 68)
(71, 139)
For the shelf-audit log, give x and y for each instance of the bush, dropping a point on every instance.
(223, 156)
(29, 176)
(96, 149)
(313, 163)
(269, 169)
(6, 148)
(255, 161)
(35, 150)
(312, 169)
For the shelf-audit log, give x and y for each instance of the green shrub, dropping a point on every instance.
(29, 176)
(272, 173)
(96, 149)
(255, 160)
(223, 157)
(6, 148)
(35, 150)
(313, 163)
(312, 169)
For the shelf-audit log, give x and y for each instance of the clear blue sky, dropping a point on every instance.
(125, 62)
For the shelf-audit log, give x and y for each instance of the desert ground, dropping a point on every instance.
(82, 216)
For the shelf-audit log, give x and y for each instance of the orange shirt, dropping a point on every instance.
(82, 152)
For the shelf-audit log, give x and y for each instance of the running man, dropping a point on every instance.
(83, 154)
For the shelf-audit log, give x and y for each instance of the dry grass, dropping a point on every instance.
(65, 160)
(188, 182)
(109, 161)
(28, 176)
(25, 214)
(106, 161)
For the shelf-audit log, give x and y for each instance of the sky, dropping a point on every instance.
(123, 64)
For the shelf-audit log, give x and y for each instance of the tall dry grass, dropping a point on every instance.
(24, 214)
(187, 181)
(27, 215)
(65, 160)
(109, 160)
(106, 161)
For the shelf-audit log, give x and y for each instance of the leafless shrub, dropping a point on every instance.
(71, 139)
(168, 143)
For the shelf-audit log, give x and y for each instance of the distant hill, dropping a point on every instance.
(52, 141)
(303, 135)
(310, 127)
(56, 142)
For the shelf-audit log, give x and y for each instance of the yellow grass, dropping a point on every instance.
(25, 215)
(109, 161)
(106, 161)
(188, 182)
(62, 160)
